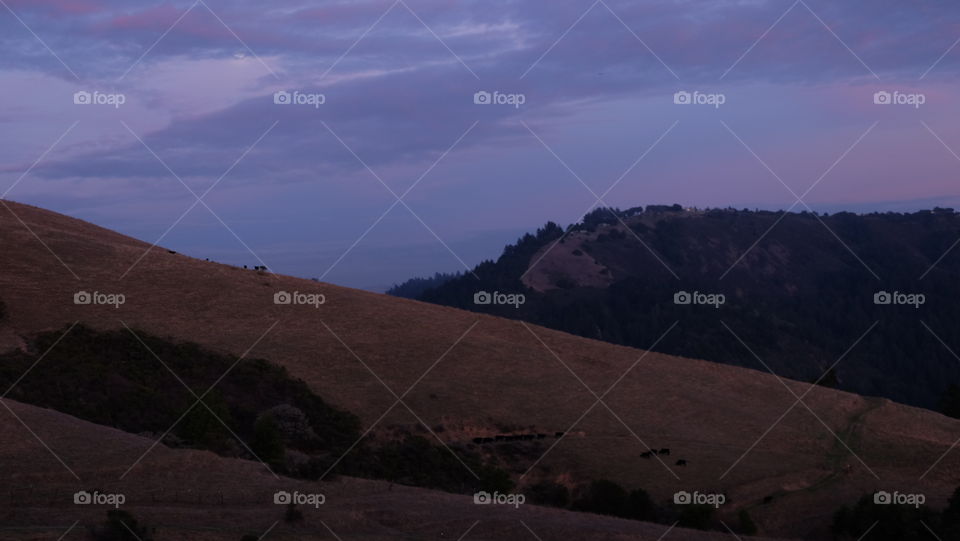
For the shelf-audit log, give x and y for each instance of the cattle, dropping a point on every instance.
(647, 454)
(681, 462)
(665, 451)
(558, 435)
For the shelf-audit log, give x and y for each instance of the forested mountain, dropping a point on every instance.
(798, 289)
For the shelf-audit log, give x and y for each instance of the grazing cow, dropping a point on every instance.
(478, 441)
(647, 454)
(664, 451)
(681, 462)
(558, 435)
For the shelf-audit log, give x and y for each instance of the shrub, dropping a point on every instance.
(292, 514)
(121, 526)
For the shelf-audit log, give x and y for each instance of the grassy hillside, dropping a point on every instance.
(463, 375)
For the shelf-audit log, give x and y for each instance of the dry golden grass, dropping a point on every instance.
(481, 372)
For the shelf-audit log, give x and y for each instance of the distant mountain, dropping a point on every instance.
(797, 288)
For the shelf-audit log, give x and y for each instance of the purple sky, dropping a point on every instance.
(296, 186)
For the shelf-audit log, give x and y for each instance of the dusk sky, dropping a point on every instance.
(185, 100)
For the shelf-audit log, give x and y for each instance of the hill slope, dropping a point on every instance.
(798, 289)
(469, 375)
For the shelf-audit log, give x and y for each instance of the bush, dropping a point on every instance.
(548, 493)
(747, 526)
(292, 514)
(121, 526)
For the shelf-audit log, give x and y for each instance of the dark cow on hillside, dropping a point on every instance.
(681, 462)
(558, 435)
(647, 454)
(665, 451)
